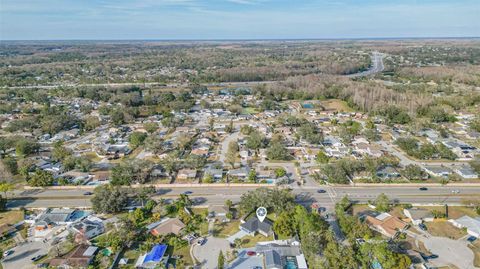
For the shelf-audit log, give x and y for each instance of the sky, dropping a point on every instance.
(236, 19)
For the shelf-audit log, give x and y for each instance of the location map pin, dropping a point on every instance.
(261, 213)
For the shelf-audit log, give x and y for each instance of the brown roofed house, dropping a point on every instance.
(80, 257)
(386, 224)
(168, 226)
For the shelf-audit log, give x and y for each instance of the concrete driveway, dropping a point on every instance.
(449, 251)
(207, 254)
(21, 257)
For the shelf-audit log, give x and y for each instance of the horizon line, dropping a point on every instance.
(247, 39)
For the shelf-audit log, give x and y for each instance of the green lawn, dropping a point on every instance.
(226, 229)
(251, 241)
(11, 217)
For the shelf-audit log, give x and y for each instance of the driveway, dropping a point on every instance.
(207, 254)
(449, 251)
(21, 258)
(239, 234)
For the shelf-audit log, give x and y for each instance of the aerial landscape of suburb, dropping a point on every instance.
(239, 134)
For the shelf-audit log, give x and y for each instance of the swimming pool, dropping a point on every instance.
(291, 263)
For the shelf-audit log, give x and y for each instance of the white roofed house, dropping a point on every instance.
(438, 171)
(471, 224)
(466, 171)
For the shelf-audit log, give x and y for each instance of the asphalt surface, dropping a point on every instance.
(377, 66)
(306, 195)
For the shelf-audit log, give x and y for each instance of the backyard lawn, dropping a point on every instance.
(11, 217)
(444, 228)
(224, 230)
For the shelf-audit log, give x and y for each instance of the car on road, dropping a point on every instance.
(455, 191)
(423, 188)
(321, 191)
(251, 253)
(88, 193)
(422, 226)
(8, 252)
(187, 192)
(38, 257)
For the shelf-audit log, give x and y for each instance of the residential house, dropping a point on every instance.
(282, 254)
(87, 228)
(80, 257)
(218, 213)
(437, 171)
(386, 224)
(466, 171)
(418, 215)
(55, 216)
(154, 258)
(166, 226)
(387, 172)
(216, 173)
(253, 226)
(471, 224)
(240, 173)
(187, 174)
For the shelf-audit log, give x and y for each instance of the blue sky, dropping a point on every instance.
(236, 19)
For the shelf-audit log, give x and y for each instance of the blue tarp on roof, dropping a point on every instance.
(156, 254)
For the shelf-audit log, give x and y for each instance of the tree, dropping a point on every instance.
(59, 152)
(41, 178)
(252, 176)
(136, 139)
(109, 199)
(6, 187)
(322, 157)
(255, 140)
(10, 164)
(150, 127)
(221, 261)
(24, 147)
(285, 224)
(229, 128)
(232, 152)
(414, 172)
(277, 151)
(280, 172)
(382, 203)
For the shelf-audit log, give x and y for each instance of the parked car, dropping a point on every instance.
(38, 257)
(433, 256)
(8, 252)
(201, 241)
(423, 188)
(422, 226)
(471, 239)
(251, 253)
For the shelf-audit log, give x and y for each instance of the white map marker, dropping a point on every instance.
(261, 213)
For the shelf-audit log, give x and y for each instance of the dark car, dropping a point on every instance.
(422, 226)
(88, 193)
(187, 192)
(433, 256)
(471, 239)
(321, 191)
(38, 257)
(423, 188)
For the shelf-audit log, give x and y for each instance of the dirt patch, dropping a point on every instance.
(475, 247)
(444, 228)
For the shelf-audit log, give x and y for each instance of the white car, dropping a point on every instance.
(455, 191)
(8, 252)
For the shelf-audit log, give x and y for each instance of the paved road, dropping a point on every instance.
(307, 195)
(377, 66)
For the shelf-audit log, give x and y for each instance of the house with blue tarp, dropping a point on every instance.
(153, 258)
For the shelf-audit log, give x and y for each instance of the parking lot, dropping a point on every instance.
(21, 257)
